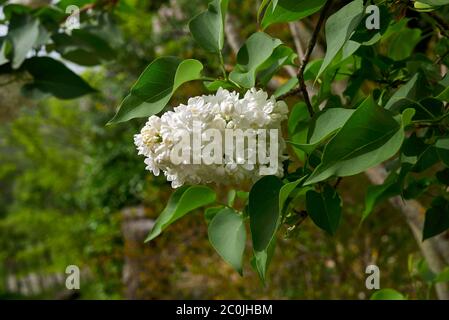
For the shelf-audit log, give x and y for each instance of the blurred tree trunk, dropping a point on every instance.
(434, 250)
(135, 228)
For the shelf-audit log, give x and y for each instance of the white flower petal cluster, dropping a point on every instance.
(223, 110)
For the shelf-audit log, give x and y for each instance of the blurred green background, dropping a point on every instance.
(74, 192)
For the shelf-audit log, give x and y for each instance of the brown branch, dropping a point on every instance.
(302, 89)
(305, 61)
(289, 94)
(337, 183)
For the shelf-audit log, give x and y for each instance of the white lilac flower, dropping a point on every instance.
(224, 110)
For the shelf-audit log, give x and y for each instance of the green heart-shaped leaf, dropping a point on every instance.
(53, 77)
(23, 33)
(207, 28)
(182, 201)
(227, 234)
(387, 294)
(155, 86)
(257, 49)
(289, 10)
(324, 208)
(339, 28)
(437, 218)
(324, 125)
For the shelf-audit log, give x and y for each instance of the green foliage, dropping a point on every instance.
(324, 208)
(406, 93)
(377, 193)
(154, 88)
(43, 29)
(376, 97)
(260, 54)
(60, 198)
(208, 27)
(264, 211)
(227, 234)
(210, 213)
(442, 148)
(183, 200)
(323, 126)
(339, 28)
(256, 50)
(289, 10)
(83, 47)
(53, 77)
(23, 33)
(387, 294)
(437, 218)
(435, 2)
(262, 259)
(266, 203)
(370, 136)
(351, 134)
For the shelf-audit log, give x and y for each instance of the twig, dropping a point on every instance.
(222, 65)
(337, 183)
(289, 94)
(302, 216)
(305, 61)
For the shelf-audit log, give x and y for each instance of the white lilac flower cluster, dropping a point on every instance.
(221, 111)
